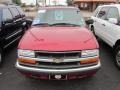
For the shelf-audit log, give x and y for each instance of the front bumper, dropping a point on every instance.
(58, 71)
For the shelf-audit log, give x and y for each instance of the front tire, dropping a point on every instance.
(1, 56)
(117, 56)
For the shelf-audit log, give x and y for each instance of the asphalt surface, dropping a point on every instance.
(108, 78)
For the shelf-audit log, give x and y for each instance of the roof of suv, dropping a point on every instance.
(111, 5)
(6, 6)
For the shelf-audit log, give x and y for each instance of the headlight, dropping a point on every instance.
(90, 53)
(26, 53)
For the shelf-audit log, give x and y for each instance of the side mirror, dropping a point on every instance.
(113, 20)
(101, 13)
(90, 21)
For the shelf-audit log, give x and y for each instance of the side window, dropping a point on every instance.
(7, 15)
(20, 11)
(103, 12)
(113, 13)
(15, 12)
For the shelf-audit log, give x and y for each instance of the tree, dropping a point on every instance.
(70, 2)
(17, 2)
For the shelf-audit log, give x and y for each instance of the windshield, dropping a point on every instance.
(59, 16)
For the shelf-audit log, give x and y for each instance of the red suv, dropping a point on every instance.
(58, 46)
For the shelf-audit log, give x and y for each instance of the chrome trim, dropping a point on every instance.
(62, 59)
(13, 35)
(57, 71)
(12, 42)
(58, 52)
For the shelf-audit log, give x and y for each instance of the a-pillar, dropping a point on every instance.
(94, 6)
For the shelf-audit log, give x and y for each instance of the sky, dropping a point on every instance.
(63, 2)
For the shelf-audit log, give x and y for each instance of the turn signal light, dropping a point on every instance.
(27, 61)
(90, 60)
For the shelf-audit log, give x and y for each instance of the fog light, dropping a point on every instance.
(90, 60)
(27, 61)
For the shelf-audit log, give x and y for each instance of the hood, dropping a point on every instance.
(58, 39)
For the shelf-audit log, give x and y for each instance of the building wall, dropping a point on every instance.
(91, 4)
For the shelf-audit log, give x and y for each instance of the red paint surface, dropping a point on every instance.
(58, 38)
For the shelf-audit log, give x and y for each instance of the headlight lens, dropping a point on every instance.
(90, 53)
(26, 53)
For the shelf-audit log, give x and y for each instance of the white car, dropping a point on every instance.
(106, 25)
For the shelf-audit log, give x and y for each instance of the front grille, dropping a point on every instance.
(65, 55)
(65, 60)
(58, 55)
(62, 65)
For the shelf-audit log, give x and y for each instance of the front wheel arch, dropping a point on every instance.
(117, 56)
(116, 48)
(116, 44)
(1, 56)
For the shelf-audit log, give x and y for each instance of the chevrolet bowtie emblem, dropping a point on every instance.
(57, 60)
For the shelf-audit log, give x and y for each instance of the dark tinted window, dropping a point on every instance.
(113, 13)
(14, 12)
(103, 12)
(20, 11)
(7, 15)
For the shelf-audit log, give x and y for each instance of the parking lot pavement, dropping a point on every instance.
(108, 78)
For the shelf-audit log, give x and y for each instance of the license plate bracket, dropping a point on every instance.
(58, 77)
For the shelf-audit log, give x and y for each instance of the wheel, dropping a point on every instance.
(117, 56)
(1, 56)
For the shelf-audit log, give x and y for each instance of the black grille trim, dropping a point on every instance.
(69, 54)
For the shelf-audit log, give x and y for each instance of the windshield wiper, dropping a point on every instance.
(64, 24)
(38, 24)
